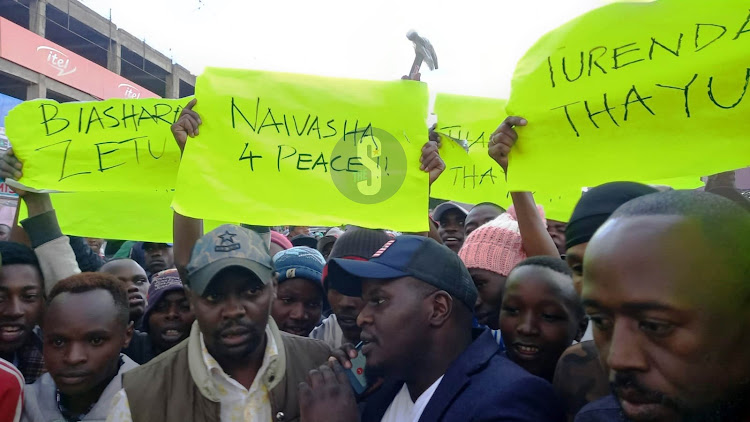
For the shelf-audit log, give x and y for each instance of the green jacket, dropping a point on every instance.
(174, 385)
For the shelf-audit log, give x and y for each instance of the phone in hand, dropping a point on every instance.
(357, 372)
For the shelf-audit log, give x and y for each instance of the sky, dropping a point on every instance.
(477, 42)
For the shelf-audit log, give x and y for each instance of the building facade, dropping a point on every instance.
(62, 50)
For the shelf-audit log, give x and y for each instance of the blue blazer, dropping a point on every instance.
(481, 385)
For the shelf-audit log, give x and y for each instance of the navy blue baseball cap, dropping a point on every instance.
(410, 256)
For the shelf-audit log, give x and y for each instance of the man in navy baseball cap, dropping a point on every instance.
(417, 333)
(415, 257)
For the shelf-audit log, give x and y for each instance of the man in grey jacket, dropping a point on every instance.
(85, 327)
(27, 282)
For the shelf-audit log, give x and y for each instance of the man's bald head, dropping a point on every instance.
(117, 265)
(712, 211)
(667, 287)
(135, 280)
(722, 224)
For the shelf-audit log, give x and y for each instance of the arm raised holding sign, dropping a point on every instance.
(431, 161)
(536, 239)
(503, 139)
(187, 125)
(53, 249)
(186, 230)
(42, 225)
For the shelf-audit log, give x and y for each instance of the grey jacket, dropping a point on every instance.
(40, 401)
(56, 257)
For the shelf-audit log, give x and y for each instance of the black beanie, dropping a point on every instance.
(359, 242)
(355, 243)
(595, 207)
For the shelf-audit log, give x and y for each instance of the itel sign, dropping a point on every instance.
(19, 45)
(129, 91)
(58, 60)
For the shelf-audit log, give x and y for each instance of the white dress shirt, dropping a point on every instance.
(402, 409)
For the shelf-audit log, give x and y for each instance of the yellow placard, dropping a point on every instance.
(474, 177)
(558, 203)
(640, 91)
(112, 145)
(140, 216)
(279, 148)
(470, 177)
(687, 182)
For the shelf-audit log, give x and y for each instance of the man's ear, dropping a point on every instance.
(582, 326)
(442, 308)
(128, 335)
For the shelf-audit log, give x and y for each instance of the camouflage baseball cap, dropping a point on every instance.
(227, 246)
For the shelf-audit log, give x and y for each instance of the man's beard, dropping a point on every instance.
(733, 406)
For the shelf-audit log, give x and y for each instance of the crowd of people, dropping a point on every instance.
(637, 309)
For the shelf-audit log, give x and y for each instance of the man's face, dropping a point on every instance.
(298, 230)
(158, 257)
(451, 229)
(4, 232)
(491, 287)
(574, 257)
(556, 230)
(136, 283)
(346, 309)
(233, 313)
(670, 320)
(392, 320)
(170, 320)
(21, 305)
(95, 244)
(83, 335)
(480, 215)
(298, 306)
(538, 320)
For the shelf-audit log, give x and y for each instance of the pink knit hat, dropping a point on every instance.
(495, 246)
(280, 240)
